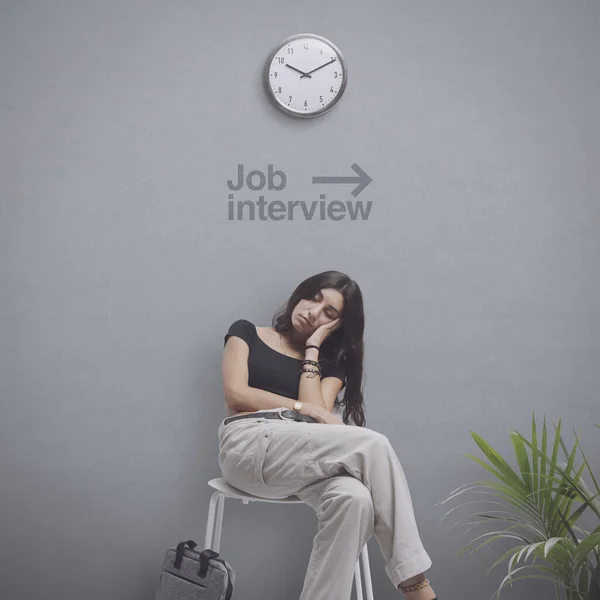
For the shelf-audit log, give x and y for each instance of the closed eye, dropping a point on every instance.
(331, 313)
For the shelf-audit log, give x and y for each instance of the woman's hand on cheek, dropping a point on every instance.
(323, 332)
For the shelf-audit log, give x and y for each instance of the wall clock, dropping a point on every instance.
(305, 75)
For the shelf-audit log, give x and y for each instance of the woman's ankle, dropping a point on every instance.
(417, 588)
(424, 594)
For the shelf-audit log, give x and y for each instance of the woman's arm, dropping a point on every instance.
(243, 398)
(314, 390)
(251, 399)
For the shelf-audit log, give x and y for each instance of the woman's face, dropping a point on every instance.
(325, 306)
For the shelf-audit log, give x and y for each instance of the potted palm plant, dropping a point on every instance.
(542, 501)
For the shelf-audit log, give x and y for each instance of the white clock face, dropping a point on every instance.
(306, 75)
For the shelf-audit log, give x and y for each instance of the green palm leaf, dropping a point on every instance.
(541, 501)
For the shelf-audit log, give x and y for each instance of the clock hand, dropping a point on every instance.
(327, 63)
(298, 70)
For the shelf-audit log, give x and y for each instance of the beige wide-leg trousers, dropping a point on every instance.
(352, 479)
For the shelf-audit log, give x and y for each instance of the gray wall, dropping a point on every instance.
(120, 124)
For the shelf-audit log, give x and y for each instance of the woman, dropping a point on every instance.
(282, 437)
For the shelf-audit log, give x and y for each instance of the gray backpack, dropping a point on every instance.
(192, 575)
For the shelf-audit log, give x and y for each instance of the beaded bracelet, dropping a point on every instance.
(314, 371)
(310, 362)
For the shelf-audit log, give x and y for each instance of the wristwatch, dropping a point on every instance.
(298, 406)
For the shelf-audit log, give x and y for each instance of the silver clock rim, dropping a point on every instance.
(267, 85)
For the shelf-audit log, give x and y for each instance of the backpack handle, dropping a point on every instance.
(205, 555)
(179, 552)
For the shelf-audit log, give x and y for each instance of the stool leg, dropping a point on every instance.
(212, 519)
(219, 524)
(358, 581)
(367, 572)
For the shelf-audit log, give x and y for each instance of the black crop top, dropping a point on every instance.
(271, 370)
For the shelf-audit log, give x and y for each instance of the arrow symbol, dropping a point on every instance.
(363, 180)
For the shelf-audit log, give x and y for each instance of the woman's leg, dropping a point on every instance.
(369, 456)
(344, 525)
(273, 459)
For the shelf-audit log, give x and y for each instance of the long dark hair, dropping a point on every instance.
(345, 344)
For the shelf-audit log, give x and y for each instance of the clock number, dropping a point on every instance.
(279, 90)
(305, 103)
(321, 99)
(281, 60)
(275, 74)
(306, 46)
(290, 99)
(335, 74)
(331, 89)
(290, 51)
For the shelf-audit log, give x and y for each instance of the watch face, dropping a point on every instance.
(306, 75)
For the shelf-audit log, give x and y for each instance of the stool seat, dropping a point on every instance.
(221, 485)
(214, 525)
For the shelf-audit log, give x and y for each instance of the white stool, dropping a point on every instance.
(214, 525)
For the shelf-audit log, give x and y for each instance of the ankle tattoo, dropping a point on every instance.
(415, 587)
